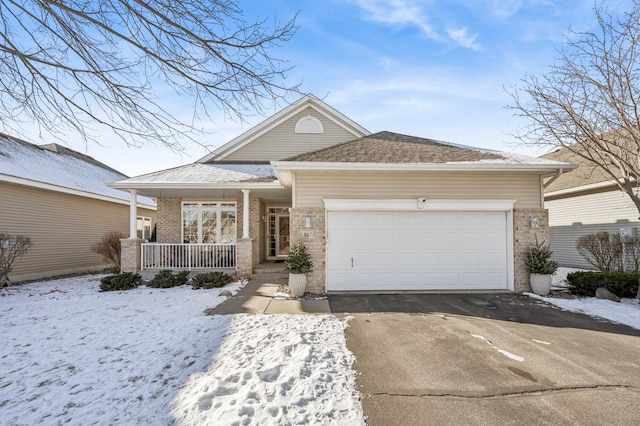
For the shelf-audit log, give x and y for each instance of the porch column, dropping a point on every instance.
(133, 214)
(245, 213)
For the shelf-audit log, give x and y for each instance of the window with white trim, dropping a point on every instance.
(209, 222)
(143, 225)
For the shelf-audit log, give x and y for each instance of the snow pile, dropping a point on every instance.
(626, 312)
(71, 354)
(275, 369)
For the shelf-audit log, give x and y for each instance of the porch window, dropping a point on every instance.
(144, 227)
(209, 222)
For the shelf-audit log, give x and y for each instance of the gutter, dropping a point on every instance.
(553, 179)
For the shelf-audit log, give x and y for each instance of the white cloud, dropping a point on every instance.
(463, 38)
(411, 13)
(399, 12)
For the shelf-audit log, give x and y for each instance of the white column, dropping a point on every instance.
(133, 214)
(245, 213)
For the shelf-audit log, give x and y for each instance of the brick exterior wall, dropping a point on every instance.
(523, 237)
(169, 220)
(245, 257)
(314, 239)
(130, 255)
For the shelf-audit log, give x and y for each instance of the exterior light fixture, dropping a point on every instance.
(307, 222)
(533, 221)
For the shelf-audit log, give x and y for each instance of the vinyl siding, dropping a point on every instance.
(572, 217)
(311, 188)
(62, 228)
(282, 142)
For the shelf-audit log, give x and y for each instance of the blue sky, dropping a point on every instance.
(434, 69)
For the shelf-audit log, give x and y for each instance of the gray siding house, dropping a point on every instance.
(585, 201)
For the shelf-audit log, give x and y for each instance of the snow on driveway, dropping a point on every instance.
(71, 354)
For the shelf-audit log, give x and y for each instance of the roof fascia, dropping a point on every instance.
(285, 169)
(55, 188)
(591, 186)
(195, 185)
(275, 120)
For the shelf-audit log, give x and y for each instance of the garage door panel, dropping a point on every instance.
(416, 251)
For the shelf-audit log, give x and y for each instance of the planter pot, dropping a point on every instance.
(297, 284)
(540, 284)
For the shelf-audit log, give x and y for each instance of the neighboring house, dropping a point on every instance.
(59, 198)
(585, 201)
(378, 212)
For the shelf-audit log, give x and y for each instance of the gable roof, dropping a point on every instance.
(307, 101)
(60, 169)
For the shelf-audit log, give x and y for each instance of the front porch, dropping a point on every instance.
(232, 230)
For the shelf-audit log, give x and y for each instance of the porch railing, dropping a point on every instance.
(188, 256)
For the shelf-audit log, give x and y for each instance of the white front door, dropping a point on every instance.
(389, 250)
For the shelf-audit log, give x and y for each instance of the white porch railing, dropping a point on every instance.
(188, 256)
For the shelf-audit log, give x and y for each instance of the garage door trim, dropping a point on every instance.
(415, 205)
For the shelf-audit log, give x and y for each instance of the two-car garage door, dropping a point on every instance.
(417, 250)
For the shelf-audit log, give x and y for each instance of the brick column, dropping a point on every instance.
(245, 257)
(314, 238)
(130, 255)
(524, 236)
(169, 220)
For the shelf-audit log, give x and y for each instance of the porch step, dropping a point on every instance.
(272, 270)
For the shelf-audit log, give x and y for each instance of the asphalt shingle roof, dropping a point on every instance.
(388, 147)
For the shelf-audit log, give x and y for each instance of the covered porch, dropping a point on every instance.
(228, 225)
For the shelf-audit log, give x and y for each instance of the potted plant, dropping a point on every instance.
(298, 265)
(538, 263)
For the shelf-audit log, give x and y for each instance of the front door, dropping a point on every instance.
(278, 242)
(282, 228)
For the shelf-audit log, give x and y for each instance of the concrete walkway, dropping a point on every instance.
(257, 298)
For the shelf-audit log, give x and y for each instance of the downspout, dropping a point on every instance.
(553, 179)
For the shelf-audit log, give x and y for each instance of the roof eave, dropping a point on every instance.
(195, 185)
(285, 169)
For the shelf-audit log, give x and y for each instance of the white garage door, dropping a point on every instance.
(369, 251)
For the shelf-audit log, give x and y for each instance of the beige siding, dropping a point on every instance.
(282, 142)
(311, 188)
(62, 228)
(572, 217)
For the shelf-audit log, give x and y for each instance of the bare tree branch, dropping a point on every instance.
(587, 103)
(73, 66)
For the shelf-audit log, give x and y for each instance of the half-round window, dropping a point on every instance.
(309, 124)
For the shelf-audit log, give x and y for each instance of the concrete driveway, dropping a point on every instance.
(489, 359)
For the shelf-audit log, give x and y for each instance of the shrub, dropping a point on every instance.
(166, 279)
(299, 261)
(210, 280)
(601, 250)
(12, 248)
(110, 249)
(117, 282)
(537, 259)
(586, 283)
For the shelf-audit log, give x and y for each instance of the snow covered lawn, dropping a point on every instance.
(71, 354)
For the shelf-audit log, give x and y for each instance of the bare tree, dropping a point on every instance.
(588, 103)
(73, 66)
(12, 248)
(110, 249)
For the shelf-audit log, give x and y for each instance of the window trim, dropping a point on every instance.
(141, 231)
(199, 208)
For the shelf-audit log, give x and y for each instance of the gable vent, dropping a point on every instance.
(309, 124)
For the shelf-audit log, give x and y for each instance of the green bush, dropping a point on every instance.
(586, 283)
(210, 280)
(166, 279)
(118, 282)
(537, 259)
(299, 261)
